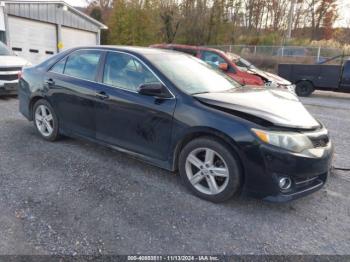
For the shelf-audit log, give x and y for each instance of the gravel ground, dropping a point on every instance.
(333, 110)
(73, 197)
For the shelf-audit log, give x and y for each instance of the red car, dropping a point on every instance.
(216, 58)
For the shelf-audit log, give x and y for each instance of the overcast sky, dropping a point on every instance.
(344, 10)
(76, 2)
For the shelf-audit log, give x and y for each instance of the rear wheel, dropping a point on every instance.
(210, 169)
(304, 88)
(45, 120)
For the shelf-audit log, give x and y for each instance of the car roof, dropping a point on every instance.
(132, 49)
(192, 47)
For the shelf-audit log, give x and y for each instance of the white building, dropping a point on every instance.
(36, 30)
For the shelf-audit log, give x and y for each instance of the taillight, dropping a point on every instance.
(19, 74)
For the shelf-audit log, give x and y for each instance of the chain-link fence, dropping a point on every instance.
(268, 57)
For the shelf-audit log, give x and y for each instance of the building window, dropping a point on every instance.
(3, 37)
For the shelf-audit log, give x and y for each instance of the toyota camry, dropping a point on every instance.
(174, 111)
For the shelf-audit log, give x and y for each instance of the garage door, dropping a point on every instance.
(32, 40)
(74, 37)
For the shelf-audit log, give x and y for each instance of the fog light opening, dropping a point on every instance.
(285, 183)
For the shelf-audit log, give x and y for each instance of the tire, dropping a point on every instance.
(45, 120)
(202, 179)
(304, 88)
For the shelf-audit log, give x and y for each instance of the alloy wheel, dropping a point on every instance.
(207, 171)
(44, 120)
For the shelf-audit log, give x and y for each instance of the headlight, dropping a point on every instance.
(295, 142)
(291, 88)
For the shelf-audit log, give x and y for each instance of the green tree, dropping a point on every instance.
(132, 23)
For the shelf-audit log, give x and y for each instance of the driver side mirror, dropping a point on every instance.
(223, 66)
(156, 89)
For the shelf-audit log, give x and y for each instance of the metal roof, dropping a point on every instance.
(63, 3)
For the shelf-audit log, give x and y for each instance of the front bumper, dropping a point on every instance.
(9, 88)
(308, 173)
(308, 186)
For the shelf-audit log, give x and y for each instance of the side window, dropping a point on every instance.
(59, 67)
(346, 72)
(83, 64)
(212, 58)
(124, 71)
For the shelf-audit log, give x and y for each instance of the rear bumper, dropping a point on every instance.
(8, 88)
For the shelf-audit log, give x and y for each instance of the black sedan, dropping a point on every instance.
(175, 112)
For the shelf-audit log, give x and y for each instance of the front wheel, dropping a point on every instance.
(210, 169)
(45, 120)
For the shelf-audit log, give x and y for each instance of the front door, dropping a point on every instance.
(124, 118)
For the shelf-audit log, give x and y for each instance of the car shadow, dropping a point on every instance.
(103, 171)
(8, 97)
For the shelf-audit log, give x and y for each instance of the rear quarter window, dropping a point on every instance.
(59, 67)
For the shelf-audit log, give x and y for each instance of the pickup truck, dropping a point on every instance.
(10, 67)
(323, 76)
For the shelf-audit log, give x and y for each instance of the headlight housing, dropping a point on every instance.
(291, 141)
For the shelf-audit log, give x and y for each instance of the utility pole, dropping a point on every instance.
(290, 20)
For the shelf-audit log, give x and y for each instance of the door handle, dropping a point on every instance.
(50, 82)
(102, 95)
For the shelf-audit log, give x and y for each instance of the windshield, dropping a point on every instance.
(240, 62)
(4, 50)
(190, 74)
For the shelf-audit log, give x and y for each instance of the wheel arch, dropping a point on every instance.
(305, 80)
(32, 102)
(207, 132)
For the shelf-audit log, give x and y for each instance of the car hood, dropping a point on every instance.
(6, 61)
(269, 76)
(279, 107)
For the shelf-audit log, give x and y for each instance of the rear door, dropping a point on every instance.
(72, 84)
(345, 79)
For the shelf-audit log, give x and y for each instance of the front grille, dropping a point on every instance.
(320, 141)
(6, 69)
(8, 77)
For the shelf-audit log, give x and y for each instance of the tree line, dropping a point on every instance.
(212, 22)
